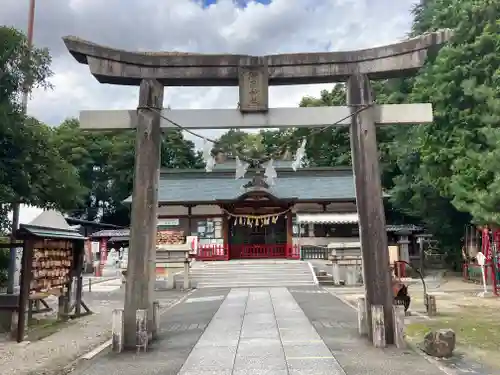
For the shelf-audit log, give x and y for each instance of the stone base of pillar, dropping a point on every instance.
(171, 280)
(378, 326)
(141, 320)
(156, 320)
(351, 277)
(362, 317)
(336, 273)
(187, 277)
(117, 331)
(430, 304)
(399, 326)
(14, 321)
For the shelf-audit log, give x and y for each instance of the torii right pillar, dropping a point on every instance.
(372, 226)
(369, 200)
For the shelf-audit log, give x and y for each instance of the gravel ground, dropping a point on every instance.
(53, 354)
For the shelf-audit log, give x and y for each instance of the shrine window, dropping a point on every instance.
(336, 230)
(299, 229)
(324, 230)
(209, 230)
(305, 229)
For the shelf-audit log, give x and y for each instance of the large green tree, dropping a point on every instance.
(446, 165)
(237, 142)
(31, 169)
(20, 67)
(330, 147)
(444, 173)
(105, 165)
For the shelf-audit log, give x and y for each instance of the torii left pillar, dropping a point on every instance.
(139, 289)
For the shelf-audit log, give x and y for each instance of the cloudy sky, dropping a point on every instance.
(212, 26)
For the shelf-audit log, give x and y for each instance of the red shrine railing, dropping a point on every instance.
(293, 252)
(224, 252)
(258, 251)
(212, 252)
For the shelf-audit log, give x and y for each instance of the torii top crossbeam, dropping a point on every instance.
(119, 67)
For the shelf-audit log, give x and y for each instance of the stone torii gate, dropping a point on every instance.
(253, 74)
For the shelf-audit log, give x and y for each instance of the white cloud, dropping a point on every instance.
(281, 26)
(184, 25)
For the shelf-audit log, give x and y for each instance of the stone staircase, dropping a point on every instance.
(251, 273)
(323, 270)
(324, 278)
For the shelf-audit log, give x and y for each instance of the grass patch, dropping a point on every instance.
(39, 329)
(477, 330)
(475, 327)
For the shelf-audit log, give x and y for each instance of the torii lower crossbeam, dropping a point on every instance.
(308, 117)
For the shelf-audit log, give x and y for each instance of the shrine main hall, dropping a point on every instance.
(248, 218)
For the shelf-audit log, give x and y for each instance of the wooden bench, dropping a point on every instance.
(10, 302)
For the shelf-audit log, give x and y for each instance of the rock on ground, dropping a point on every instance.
(440, 343)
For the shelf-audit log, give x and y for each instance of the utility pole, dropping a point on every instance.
(16, 205)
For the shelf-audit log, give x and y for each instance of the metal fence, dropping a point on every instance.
(314, 252)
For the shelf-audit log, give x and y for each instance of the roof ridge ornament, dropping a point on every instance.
(258, 182)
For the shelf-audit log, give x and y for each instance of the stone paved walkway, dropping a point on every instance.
(261, 331)
(336, 323)
(51, 354)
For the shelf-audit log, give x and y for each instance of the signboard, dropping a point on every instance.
(94, 247)
(254, 86)
(165, 223)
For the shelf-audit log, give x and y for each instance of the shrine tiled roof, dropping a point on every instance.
(111, 233)
(404, 227)
(306, 184)
(49, 224)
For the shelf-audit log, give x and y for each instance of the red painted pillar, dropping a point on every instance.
(486, 249)
(103, 249)
(289, 235)
(495, 260)
(98, 268)
(225, 234)
(88, 253)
